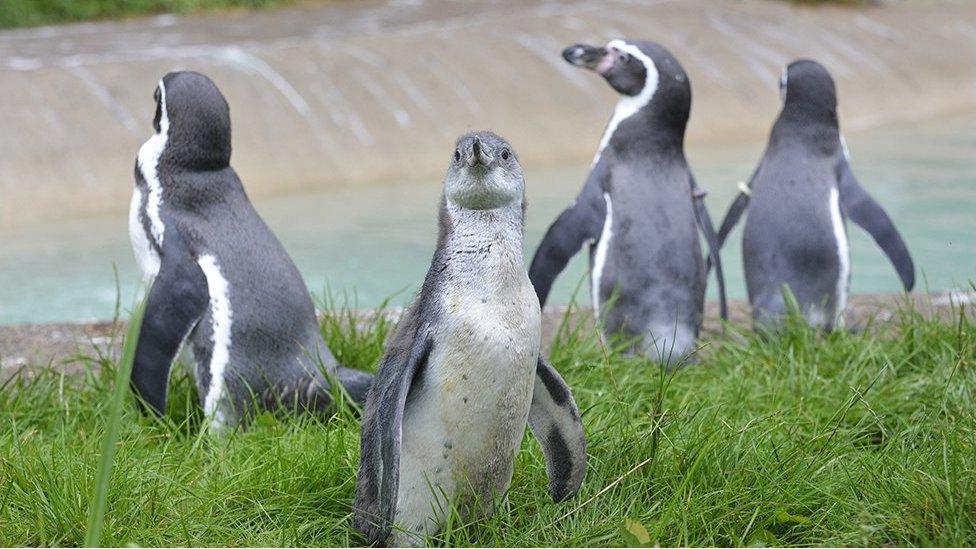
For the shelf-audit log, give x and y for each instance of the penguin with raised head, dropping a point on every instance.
(640, 210)
(220, 280)
(462, 373)
(799, 199)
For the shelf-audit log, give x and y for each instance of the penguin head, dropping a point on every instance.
(640, 70)
(192, 121)
(484, 173)
(806, 85)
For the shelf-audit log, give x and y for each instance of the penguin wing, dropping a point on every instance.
(732, 217)
(378, 478)
(705, 224)
(177, 299)
(578, 224)
(738, 206)
(870, 216)
(555, 422)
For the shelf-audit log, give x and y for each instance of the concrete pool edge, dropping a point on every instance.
(304, 83)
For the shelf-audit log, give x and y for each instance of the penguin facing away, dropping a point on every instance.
(640, 210)
(462, 373)
(220, 280)
(799, 199)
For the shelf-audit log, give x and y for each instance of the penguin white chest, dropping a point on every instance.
(463, 427)
(146, 255)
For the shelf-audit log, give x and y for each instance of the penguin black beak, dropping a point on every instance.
(589, 57)
(479, 154)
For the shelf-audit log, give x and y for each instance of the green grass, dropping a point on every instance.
(802, 439)
(29, 13)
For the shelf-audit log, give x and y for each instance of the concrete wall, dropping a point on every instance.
(365, 92)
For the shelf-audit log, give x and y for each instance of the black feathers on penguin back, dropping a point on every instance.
(810, 91)
(199, 133)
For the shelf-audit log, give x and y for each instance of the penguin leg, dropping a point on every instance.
(555, 422)
(178, 297)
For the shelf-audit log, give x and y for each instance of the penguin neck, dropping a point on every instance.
(643, 131)
(818, 129)
(191, 190)
(484, 244)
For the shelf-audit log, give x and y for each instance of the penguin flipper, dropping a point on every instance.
(177, 299)
(378, 478)
(870, 216)
(355, 382)
(555, 422)
(732, 217)
(578, 224)
(714, 257)
(738, 206)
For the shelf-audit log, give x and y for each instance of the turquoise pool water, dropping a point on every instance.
(374, 242)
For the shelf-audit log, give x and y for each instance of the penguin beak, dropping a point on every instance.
(479, 153)
(589, 57)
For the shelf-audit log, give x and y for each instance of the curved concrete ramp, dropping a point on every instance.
(370, 92)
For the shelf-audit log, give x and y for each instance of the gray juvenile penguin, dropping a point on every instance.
(799, 198)
(220, 279)
(639, 208)
(462, 373)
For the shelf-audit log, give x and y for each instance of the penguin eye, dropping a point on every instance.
(505, 154)
(457, 155)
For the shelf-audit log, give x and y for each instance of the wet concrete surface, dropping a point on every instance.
(360, 92)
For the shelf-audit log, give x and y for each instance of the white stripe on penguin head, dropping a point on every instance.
(148, 158)
(628, 105)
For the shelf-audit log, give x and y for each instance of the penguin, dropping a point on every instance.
(799, 199)
(640, 210)
(463, 373)
(219, 279)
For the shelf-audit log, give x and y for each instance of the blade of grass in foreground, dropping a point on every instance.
(96, 517)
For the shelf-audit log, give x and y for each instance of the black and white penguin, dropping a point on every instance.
(220, 280)
(640, 210)
(799, 198)
(462, 373)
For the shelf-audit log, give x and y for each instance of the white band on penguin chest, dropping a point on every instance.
(146, 255)
(628, 105)
(221, 319)
(149, 155)
(843, 253)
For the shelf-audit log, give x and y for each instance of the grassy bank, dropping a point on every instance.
(30, 13)
(845, 439)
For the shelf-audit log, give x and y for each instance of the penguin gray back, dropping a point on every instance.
(799, 199)
(221, 280)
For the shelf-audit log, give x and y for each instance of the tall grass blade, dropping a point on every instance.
(96, 517)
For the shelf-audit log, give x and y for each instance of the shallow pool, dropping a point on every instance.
(375, 242)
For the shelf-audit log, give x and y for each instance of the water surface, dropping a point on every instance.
(375, 242)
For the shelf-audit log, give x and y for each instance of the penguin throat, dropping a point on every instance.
(477, 234)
